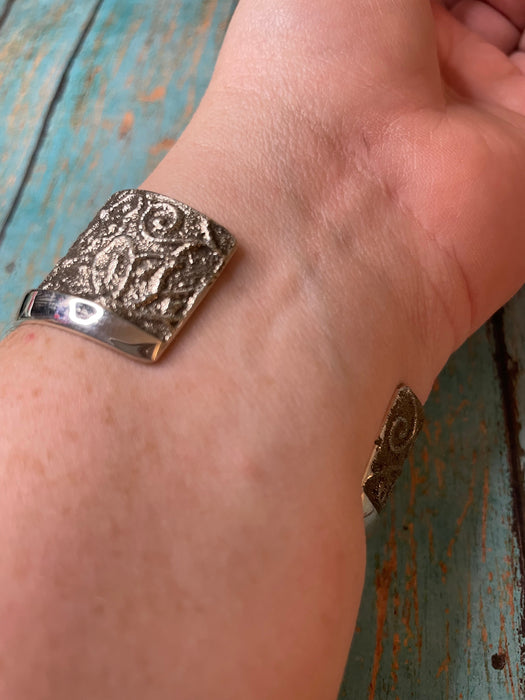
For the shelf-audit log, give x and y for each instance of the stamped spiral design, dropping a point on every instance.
(403, 428)
(147, 258)
(403, 422)
(162, 223)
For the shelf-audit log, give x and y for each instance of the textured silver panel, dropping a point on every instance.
(403, 422)
(147, 258)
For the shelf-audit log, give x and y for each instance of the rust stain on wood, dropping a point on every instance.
(412, 588)
(59, 247)
(509, 587)
(440, 468)
(207, 13)
(208, 9)
(383, 581)
(469, 618)
(190, 104)
(162, 146)
(158, 93)
(95, 162)
(445, 664)
(90, 77)
(416, 479)
(508, 374)
(170, 31)
(134, 29)
(443, 568)
(484, 510)
(466, 508)
(484, 633)
(437, 432)
(454, 414)
(503, 651)
(126, 124)
(431, 548)
(396, 647)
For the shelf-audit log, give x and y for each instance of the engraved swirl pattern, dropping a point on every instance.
(147, 258)
(400, 429)
(404, 427)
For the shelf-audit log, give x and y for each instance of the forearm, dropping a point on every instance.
(195, 527)
(207, 507)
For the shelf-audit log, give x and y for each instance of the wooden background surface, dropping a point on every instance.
(92, 95)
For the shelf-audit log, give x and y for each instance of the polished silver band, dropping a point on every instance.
(89, 318)
(134, 276)
(132, 279)
(404, 420)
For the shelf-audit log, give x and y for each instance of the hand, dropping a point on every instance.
(386, 146)
(499, 22)
(369, 157)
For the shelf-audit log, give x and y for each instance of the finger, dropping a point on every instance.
(490, 22)
(518, 57)
(476, 69)
(513, 10)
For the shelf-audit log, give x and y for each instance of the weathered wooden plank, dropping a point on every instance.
(441, 598)
(441, 607)
(510, 332)
(36, 42)
(139, 75)
(5, 8)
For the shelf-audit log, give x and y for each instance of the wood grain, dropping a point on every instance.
(92, 96)
(135, 79)
(440, 617)
(32, 39)
(5, 9)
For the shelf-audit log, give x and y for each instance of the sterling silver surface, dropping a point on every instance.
(402, 424)
(88, 318)
(146, 261)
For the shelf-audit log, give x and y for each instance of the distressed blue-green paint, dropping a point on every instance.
(452, 599)
(464, 613)
(514, 327)
(132, 50)
(3, 7)
(36, 41)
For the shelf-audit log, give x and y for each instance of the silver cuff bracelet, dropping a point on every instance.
(135, 275)
(404, 420)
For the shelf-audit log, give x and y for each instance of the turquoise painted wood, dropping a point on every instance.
(4, 6)
(135, 79)
(92, 95)
(442, 592)
(38, 38)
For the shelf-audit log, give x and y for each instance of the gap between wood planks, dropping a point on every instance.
(50, 110)
(507, 372)
(5, 12)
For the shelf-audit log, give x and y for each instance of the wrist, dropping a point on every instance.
(343, 250)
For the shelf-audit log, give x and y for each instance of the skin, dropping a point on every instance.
(195, 529)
